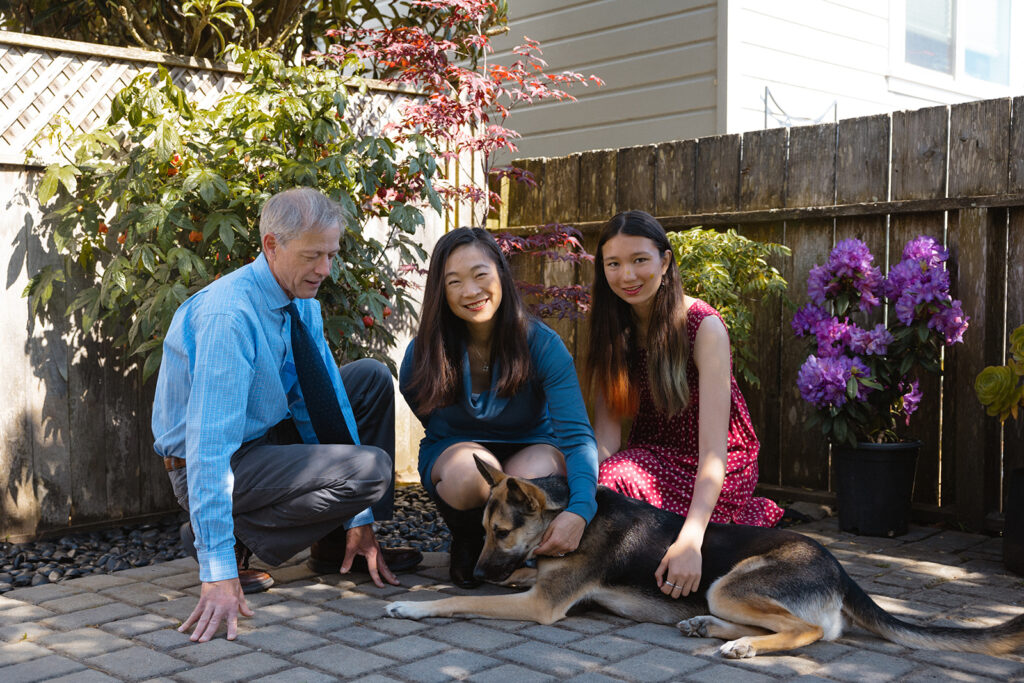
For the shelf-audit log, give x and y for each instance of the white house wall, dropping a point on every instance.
(658, 59)
(812, 54)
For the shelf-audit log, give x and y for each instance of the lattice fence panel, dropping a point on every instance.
(40, 86)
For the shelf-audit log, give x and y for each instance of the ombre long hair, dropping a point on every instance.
(437, 378)
(613, 331)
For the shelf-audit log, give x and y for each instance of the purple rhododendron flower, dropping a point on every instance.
(950, 322)
(849, 267)
(822, 381)
(924, 248)
(871, 342)
(918, 290)
(833, 336)
(911, 398)
(929, 287)
(806, 318)
(819, 284)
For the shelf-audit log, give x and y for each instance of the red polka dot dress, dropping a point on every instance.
(659, 463)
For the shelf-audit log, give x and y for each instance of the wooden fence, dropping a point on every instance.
(75, 443)
(955, 173)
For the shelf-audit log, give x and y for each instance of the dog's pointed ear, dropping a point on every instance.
(524, 493)
(492, 475)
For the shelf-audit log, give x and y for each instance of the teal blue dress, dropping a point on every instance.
(548, 409)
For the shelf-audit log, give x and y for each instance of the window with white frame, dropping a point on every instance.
(969, 46)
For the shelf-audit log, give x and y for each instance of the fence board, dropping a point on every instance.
(560, 198)
(121, 432)
(919, 153)
(919, 172)
(597, 177)
(48, 361)
(762, 186)
(976, 239)
(978, 147)
(86, 396)
(1013, 431)
(862, 175)
(763, 169)
(1016, 160)
(717, 173)
(674, 177)
(810, 180)
(978, 164)
(635, 178)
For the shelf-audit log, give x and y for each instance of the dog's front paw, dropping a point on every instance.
(406, 610)
(696, 627)
(738, 649)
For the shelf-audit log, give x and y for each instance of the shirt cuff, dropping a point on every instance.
(217, 565)
(585, 509)
(362, 519)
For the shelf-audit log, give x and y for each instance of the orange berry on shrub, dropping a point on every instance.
(102, 228)
(387, 311)
(79, 208)
(368, 321)
(195, 236)
(176, 160)
(172, 171)
(122, 237)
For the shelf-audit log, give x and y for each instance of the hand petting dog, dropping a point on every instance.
(678, 574)
(563, 535)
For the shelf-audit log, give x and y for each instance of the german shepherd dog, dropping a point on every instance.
(765, 589)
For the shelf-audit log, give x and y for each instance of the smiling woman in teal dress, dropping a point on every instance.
(486, 378)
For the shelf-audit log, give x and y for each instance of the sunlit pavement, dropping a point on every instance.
(121, 626)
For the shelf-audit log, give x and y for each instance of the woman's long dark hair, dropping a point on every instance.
(613, 329)
(442, 336)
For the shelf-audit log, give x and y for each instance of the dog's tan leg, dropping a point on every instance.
(708, 626)
(785, 630)
(528, 606)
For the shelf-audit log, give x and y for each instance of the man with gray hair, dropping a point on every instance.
(268, 445)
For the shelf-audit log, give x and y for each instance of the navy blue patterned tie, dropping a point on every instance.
(317, 389)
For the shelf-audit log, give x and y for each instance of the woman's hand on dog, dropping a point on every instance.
(563, 535)
(678, 574)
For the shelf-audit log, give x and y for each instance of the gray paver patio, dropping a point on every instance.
(121, 627)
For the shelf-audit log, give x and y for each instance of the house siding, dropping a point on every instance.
(812, 54)
(658, 59)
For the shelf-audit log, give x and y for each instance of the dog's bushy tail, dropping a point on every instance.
(994, 640)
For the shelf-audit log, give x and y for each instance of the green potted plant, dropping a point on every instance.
(1000, 389)
(863, 382)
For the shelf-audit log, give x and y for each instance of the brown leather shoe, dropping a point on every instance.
(252, 580)
(326, 556)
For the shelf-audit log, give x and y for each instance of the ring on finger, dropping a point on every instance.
(669, 583)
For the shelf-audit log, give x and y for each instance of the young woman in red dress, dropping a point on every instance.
(663, 359)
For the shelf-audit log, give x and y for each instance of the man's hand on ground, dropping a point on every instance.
(218, 600)
(359, 540)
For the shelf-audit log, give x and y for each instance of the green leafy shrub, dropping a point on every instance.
(732, 273)
(1000, 388)
(166, 197)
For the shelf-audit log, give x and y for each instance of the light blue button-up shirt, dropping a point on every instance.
(227, 376)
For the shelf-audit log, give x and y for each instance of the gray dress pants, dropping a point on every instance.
(288, 494)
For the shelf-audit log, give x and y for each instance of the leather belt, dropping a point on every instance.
(173, 463)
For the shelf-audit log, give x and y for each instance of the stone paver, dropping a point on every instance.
(324, 628)
(41, 669)
(342, 658)
(244, 668)
(84, 642)
(136, 663)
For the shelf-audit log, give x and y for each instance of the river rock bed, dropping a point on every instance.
(416, 524)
